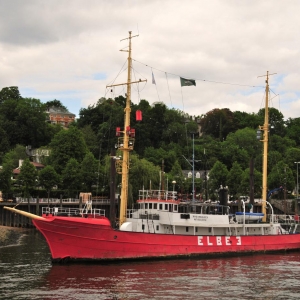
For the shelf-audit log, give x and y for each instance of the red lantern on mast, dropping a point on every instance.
(138, 115)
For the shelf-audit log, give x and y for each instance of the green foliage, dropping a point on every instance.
(5, 177)
(293, 129)
(143, 174)
(218, 176)
(234, 179)
(281, 175)
(280, 144)
(276, 120)
(89, 172)
(48, 178)
(65, 145)
(15, 155)
(243, 120)
(11, 92)
(162, 138)
(27, 177)
(71, 178)
(55, 103)
(245, 183)
(90, 139)
(24, 122)
(218, 123)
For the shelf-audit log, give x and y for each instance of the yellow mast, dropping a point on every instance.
(265, 140)
(126, 134)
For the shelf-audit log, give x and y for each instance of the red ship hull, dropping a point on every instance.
(94, 239)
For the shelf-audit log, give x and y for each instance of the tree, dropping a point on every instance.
(11, 92)
(24, 121)
(281, 175)
(90, 139)
(89, 172)
(218, 176)
(4, 143)
(276, 120)
(293, 129)
(65, 145)
(48, 178)
(234, 179)
(218, 123)
(5, 177)
(280, 144)
(243, 119)
(245, 182)
(55, 103)
(27, 177)
(71, 177)
(15, 155)
(142, 174)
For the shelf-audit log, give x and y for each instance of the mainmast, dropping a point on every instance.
(265, 140)
(125, 143)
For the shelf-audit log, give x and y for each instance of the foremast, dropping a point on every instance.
(125, 146)
(265, 140)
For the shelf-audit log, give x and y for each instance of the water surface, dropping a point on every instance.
(26, 272)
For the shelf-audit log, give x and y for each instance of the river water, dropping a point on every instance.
(26, 272)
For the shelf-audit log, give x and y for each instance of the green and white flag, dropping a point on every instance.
(187, 82)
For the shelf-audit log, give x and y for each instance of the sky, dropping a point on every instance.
(69, 50)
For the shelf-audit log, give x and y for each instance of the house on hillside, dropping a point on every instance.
(58, 115)
(16, 171)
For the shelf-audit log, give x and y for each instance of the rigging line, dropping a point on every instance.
(156, 87)
(211, 81)
(138, 86)
(182, 98)
(168, 88)
(273, 92)
(121, 70)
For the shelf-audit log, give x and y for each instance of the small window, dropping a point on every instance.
(143, 227)
(157, 227)
(186, 229)
(155, 205)
(196, 229)
(160, 206)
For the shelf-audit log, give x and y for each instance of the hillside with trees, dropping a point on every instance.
(79, 158)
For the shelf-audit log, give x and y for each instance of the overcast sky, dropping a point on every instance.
(69, 50)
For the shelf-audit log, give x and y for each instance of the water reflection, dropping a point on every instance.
(26, 273)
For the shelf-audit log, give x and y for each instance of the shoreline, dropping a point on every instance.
(9, 236)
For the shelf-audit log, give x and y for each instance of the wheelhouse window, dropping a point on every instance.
(150, 205)
(146, 205)
(160, 206)
(166, 206)
(175, 207)
(155, 205)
